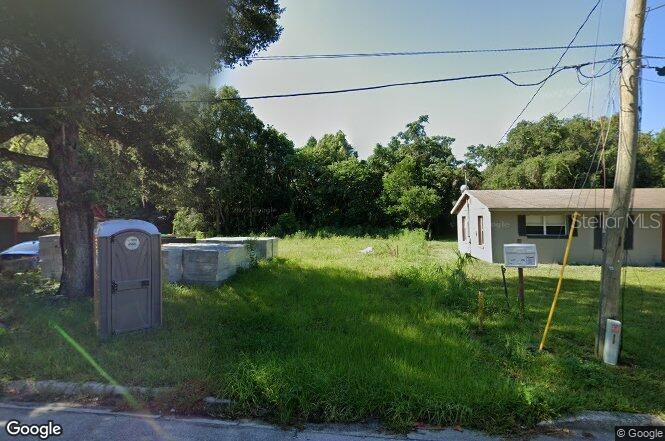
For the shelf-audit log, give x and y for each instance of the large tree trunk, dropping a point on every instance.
(75, 177)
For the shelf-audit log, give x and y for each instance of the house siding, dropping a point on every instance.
(471, 210)
(647, 241)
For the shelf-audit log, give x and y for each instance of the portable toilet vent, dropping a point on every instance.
(128, 289)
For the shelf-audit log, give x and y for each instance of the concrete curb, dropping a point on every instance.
(250, 428)
(602, 421)
(71, 389)
(591, 421)
(99, 390)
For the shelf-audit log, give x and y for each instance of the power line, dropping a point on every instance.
(610, 93)
(573, 98)
(579, 92)
(503, 75)
(590, 103)
(655, 7)
(653, 81)
(599, 75)
(540, 87)
(417, 53)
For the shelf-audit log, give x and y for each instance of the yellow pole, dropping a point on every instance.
(558, 286)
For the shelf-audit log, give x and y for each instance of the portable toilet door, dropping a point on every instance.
(127, 277)
(130, 281)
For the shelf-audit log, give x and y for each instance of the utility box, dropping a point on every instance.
(612, 342)
(520, 255)
(128, 287)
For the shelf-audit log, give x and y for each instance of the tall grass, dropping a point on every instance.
(326, 333)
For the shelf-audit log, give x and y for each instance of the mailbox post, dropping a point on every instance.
(128, 288)
(520, 256)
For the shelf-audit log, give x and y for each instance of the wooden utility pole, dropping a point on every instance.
(617, 218)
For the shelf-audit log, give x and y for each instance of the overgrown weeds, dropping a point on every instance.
(328, 334)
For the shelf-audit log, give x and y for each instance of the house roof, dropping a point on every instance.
(42, 203)
(644, 199)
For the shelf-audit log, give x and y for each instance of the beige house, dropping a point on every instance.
(488, 219)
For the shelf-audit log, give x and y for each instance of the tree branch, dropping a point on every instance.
(29, 160)
(9, 130)
(16, 128)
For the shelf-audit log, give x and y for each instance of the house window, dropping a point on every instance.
(481, 231)
(548, 225)
(599, 233)
(464, 233)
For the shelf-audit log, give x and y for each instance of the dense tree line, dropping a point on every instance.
(244, 176)
(229, 173)
(560, 153)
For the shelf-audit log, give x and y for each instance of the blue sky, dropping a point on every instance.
(476, 111)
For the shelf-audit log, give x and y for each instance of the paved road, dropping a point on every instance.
(101, 425)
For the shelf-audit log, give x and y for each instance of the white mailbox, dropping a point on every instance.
(520, 255)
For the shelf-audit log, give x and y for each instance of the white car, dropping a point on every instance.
(29, 249)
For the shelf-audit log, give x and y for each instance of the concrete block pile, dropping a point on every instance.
(172, 262)
(259, 247)
(212, 264)
(50, 256)
(202, 263)
(208, 262)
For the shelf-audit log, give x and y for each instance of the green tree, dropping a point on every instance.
(352, 193)
(419, 205)
(421, 177)
(332, 187)
(99, 69)
(240, 169)
(24, 184)
(560, 153)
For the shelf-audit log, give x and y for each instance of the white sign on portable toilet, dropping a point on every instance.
(612, 342)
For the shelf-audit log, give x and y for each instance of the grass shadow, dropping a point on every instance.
(294, 342)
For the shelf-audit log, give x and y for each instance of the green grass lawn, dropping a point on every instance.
(325, 333)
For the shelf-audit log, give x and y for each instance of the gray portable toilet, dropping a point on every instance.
(128, 288)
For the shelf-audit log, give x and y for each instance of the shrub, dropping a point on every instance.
(188, 222)
(286, 224)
